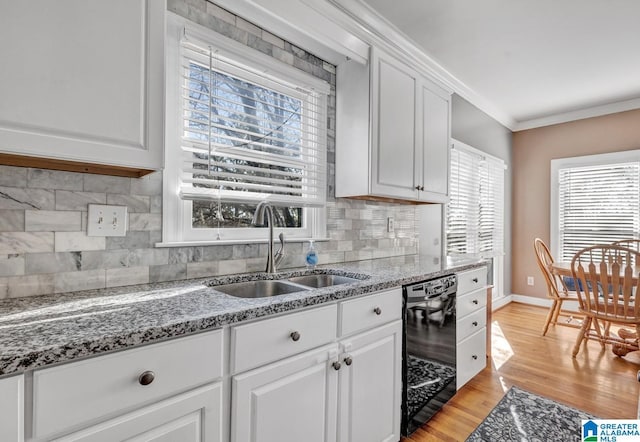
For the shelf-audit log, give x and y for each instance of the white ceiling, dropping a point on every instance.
(535, 62)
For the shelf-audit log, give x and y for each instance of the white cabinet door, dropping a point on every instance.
(291, 400)
(435, 143)
(393, 128)
(189, 417)
(370, 386)
(83, 80)
(11, 409)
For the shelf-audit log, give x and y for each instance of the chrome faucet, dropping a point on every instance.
(264, 213)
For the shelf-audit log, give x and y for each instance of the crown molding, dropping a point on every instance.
(580, 114)
(375, 29)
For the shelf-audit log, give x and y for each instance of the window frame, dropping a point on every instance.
(482, 156)
(496, 267)
(571, 162)
(177, 213)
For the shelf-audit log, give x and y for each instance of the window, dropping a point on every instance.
(241, 128)
(594, 199)
(475, 213)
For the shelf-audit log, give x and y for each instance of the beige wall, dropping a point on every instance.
(533, 151)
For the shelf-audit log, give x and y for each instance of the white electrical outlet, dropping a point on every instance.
(390, 224)
(529, 280)
(107, 220)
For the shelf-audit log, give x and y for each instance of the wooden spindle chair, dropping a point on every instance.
(606, 292)
(633, 244)
(557, 290)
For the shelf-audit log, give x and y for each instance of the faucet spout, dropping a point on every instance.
(262, 215)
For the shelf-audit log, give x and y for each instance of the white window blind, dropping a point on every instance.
(597, 204)
(248, 135)
(475, 213)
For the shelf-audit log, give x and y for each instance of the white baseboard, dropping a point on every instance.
(571, 306)
(500, 302)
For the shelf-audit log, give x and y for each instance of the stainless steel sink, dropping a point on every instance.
(258, 289)
(318, 281)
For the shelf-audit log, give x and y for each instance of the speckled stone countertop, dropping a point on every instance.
(39, 331)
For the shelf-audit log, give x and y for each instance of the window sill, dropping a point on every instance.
(233, 241)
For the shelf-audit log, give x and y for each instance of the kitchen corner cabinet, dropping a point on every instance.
(346, 390)
(151, 393)
(82, 81)
(189, 417)
(471, 324)
(12, 409)
(397, 122)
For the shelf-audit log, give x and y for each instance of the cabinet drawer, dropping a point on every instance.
(471, 302)
(471, 323)
(370, 311)
(268, 340)
(75, 393)
(472, 280)
(471, 356)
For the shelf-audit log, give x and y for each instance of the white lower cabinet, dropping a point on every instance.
(471, 325)
(288, 401)
(12, 409)
(324, 395)
(168, 391)
(347, 391)
(370, 385)
(190, 417)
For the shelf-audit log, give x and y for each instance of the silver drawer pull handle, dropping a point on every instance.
(475, 280)
(475, 323)
(475, 301)
(295, 336)
(377, 311)
(474, 357)
(348, 360)
(146, 378)
(336, 365)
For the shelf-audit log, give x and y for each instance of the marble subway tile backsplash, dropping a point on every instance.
(44, 247)
(48, 251)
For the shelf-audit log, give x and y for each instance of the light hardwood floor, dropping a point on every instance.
(596, 381)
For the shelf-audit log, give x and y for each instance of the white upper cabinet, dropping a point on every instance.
(83, 80)
(393, 143)
(392, 134)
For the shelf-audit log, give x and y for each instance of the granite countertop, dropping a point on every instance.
(39, 331)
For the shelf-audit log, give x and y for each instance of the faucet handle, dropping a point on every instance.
(280, 253)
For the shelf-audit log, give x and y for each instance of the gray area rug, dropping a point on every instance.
(525, 417)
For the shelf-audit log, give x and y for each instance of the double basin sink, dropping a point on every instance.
(273, 287)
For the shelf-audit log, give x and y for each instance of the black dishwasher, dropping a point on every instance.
(429, 349)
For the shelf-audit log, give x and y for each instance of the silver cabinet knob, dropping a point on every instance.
(336, 365)
(295, 336)
(475, 280)
(475, 301)
(348, 360)
(475, 323)
(474, 357)
(146, 378)
(377, 311)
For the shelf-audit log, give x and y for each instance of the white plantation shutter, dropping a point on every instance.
(247, 135)
(597, 204)
(475, 213)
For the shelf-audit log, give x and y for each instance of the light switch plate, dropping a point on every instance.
(106, 220)
(390, 226)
